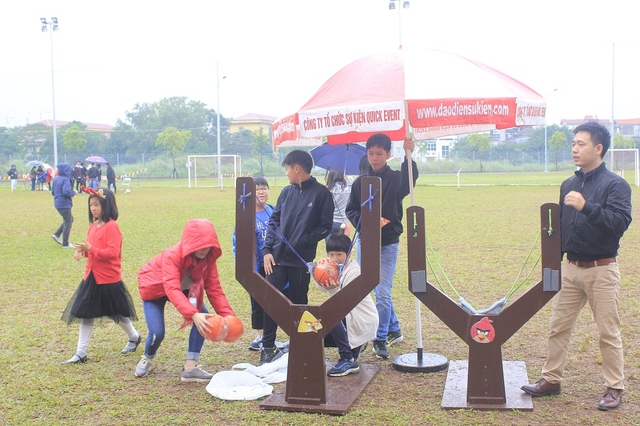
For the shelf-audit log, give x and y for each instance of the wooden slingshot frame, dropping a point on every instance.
(490, 383)
(308, 388)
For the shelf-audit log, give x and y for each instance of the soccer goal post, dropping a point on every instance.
(622, 160)
(213, 171)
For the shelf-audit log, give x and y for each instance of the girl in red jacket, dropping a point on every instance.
(101, 292)
(181, 275)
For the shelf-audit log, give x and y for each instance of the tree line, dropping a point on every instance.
(170, 125)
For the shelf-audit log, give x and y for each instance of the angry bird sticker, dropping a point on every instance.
(482, 331)
(309, 323)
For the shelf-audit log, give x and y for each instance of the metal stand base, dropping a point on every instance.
(515, 375)
(342, 392)
(430, 363)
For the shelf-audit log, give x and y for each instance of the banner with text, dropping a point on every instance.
(284, 129)
(382, 117)
(500, 112)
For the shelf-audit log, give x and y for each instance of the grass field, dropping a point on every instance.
(481, 235)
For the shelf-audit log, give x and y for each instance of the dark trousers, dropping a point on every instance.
(338, 338)
(298, 279)
(65, 227)
(257, 313)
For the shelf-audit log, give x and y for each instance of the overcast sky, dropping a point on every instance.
(108, 56)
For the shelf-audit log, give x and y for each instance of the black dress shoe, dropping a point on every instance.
(542, 388)
(610, 400)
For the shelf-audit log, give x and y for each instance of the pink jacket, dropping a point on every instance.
(162, 275)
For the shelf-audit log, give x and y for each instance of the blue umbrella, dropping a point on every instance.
(33, 163)
(343, 157)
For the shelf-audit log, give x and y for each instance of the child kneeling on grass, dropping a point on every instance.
(361, 322)
(181, 275)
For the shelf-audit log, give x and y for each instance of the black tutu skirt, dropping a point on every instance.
(99, 301)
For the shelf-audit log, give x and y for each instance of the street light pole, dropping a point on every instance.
(546, 158)
(392, 6)
(54, 27)
(218, 122)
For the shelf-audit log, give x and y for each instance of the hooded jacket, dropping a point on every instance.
(62, 189)
(162, 275)
(394, 186)
(594, 233)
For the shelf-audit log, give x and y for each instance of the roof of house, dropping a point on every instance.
(255, 117)
(628, 121)
(577, 121)
(90, 126)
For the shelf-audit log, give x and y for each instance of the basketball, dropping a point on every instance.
(218, 328)
(324, 271)
(234, 329)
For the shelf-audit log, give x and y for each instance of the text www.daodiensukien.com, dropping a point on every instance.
(476, 108)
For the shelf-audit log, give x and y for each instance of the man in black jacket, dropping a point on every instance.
(13, 175)
(304, 215)
(395, 186)
(93, 176)
(79, 174)
(111, 178)
(596, 211)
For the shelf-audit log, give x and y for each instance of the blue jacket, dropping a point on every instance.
(594, 233)
(262, 222)
(62, 189)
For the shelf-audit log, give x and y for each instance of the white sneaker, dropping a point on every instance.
(198, 374)
(58, 240)
(143, 367)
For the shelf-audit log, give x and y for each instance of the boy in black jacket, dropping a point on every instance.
(395, 186)
(304, 215)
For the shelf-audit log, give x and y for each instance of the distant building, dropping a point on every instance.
(629, 127)
(572, 123)
(251, 122)
(105, 129)
(623, 126)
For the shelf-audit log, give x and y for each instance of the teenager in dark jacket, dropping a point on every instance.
(395, 186)
(304, 215)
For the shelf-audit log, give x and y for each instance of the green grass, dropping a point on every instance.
(481, 235)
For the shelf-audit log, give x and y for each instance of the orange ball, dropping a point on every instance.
(325, 270)
(217, 328)
(234, 329)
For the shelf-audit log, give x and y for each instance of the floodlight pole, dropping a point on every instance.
(392, 6)
(546, 157)
(54, 27)
(218, 122)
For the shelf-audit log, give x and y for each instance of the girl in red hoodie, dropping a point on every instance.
(181, 275)
(101, 292)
